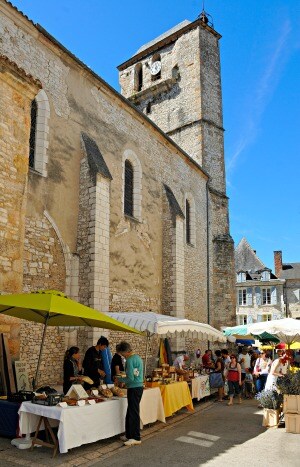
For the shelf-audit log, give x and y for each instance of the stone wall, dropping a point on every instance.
(16, 92)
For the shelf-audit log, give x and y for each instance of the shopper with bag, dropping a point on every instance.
(261, 370)
(233, 374)
(219, 370)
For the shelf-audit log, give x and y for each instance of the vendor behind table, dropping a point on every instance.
(93, 364)
(72, 368)
(179, 363)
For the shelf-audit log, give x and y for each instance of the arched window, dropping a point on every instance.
(187, 221)
(128, 189)
(132, 185)
(138, 77)
(39, 131)
(33, 124)
(155, 67)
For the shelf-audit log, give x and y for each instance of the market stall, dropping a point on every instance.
(85, 424)
(176, 396)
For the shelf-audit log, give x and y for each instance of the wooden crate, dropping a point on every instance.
(292, 423)
(291, 404)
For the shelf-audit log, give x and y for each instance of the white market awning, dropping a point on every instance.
(166, 326)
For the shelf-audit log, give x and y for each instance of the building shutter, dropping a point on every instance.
(258, 295)
(249, 319)
(249, 296)
(259, 318)
(273, 296)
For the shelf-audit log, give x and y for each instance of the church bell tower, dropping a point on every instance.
(176, 81)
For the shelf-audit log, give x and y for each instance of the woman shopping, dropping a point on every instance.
(233, 374)
(278, 369)
(261, 370)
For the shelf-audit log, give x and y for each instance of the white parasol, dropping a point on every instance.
(287, 330)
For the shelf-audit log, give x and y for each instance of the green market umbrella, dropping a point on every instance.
(243, 332)
(53, 308)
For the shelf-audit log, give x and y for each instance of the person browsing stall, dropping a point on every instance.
(261, 370)
(117, 363)
(207, 361)
(92, 362)
(134, 381)
(244, 360)
(233, 374)
(72, 368)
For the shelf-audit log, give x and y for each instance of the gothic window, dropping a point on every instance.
(39, 130)
(190, 220)
(138, 77)
(128, 189)
(33, 123)
(132, 185)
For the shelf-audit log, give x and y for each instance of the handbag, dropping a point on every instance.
(216, 380)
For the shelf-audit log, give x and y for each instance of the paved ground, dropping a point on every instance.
(214, 436)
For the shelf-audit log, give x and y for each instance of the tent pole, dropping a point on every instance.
(35, 381)
(146, 356)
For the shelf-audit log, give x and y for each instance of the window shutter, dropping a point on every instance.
(273, 296)
(258, 295)
(249, 295)
(259, 318)
(249, 319)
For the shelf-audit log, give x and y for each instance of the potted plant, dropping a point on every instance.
(271, 402)
(289, 387)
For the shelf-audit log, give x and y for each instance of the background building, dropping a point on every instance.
(290, 273)
(259, 293)
(119, 211)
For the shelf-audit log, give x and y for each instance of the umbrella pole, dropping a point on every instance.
(35, 381)
(146, 356)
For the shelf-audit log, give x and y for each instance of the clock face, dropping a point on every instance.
(155, 68)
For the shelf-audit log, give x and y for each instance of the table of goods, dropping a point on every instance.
(78, 425)
(175, 396)
(200, 387)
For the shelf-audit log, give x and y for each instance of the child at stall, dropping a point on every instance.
(249, 384)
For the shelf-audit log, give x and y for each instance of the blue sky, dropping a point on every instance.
(260, 55)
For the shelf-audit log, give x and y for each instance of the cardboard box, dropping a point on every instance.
(291, 404)
(292, 423)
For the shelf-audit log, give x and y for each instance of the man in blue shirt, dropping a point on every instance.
(134, 381)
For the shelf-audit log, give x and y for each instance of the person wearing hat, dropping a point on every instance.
(278, 369)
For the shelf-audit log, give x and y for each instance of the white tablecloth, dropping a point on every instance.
(200, 387)
(90, 423)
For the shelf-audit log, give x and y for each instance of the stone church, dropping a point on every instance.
(117, 200)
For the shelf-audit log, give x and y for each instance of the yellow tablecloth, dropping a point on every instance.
(175, 396)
